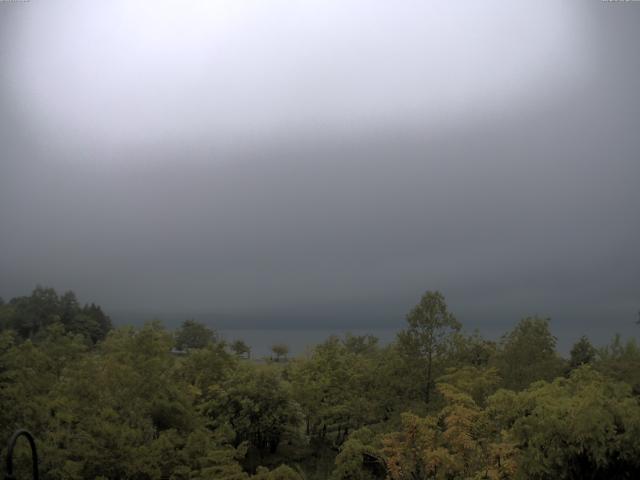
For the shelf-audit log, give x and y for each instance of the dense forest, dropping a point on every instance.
(437, 403)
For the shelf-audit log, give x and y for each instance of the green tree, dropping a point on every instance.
(528, 353)
(477, 383)
(583, 427)
(280, 350)
(283, 472)
(204, 455)
(359, 458)
(360, 344)
(582, 352)
(30, 316)
(257, 405)
(240, 348)
(193, 334)
(7, 312)
(338, 391)
(428, 335)
(100, 322)
(204, 369)
(37, 311)
(471, 350)
(109, 409)
(621, 361)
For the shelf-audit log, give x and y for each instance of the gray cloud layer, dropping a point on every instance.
(513, 188)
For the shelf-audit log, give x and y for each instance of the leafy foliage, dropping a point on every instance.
(585, 426)
(428, 336)
(241, 349)
(528, 354)
(124, 404)
(280, 350)
(582, 353)
(31, 315)
(192, 334)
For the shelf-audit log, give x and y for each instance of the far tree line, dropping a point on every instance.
(29, 316)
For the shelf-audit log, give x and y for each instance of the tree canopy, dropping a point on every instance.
(124, 405)
(428, 336)
(192, 334)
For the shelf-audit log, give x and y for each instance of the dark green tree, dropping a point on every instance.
(360, 344)
(621, 361)
(30, 316)
(280, 350)
(99, 321)
(428, 336)
(471, 350)
(193, 334)
(583, 427)
(240, 348)
(528, 353)
(256, 404)
(582, 352)
(35, 312)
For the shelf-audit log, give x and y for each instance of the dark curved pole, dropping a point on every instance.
(34, 454)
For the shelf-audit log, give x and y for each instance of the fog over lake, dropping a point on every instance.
(320, 239)
(287, 166)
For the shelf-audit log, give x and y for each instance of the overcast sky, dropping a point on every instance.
(315, 164)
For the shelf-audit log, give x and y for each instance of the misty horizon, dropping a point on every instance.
(287, 167)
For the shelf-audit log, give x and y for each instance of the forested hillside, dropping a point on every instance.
(438, 403)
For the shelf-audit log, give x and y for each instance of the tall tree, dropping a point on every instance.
(621, 360)
(99, 320)
(240, 348)
(428, 335)
(528, 353)
(280, 350)
(582, 353)
(256, 403)
(192, 334)
(37, 311)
